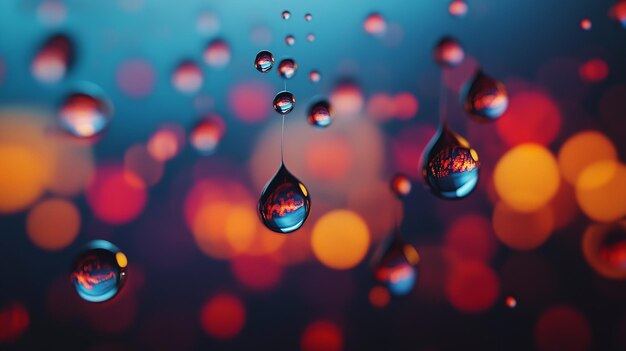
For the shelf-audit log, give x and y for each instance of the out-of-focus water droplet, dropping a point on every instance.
(308, 17)
(450, 167)
(375, 24)
(510, 302)
(208, 23)
(395, 265)
(448, 52)
(485, 98)
(401, 185)
(285, 203)
(287, 68)
(290, 40)
(217, 53)
(458, 8)
(310, 37)
(320, 114)
(618, 12)
(585, 24)
(264, 61)
(207, 134)
(284, 102)
(187, 77)
(99, 272)
(54, 59)
(285, 15)
(604, 249)
(85, 113)
(315, 76)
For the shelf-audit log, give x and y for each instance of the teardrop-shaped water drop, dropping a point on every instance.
(54, 59)
(450, 166)
(284, 102)
(287, 68)
(485, 98)
(395, 265)
(264, 61)
(448, 52)
(285, 203)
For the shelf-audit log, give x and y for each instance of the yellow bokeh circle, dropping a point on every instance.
(340, 239)
(583, 149)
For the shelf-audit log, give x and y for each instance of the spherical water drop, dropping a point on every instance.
(85, 113)
(458, 8)
(290, 40)
(285, 15)
(486, 98)
(217, 53)
(285, 204)
(287, 68)
(99, 272)
(264, 61)
(448, 52)
(308, 17)
(401, 185)
(450, 166)
(310, 37)
(375, 24)
(54, 59)
(395, 265)
(187, 77)
(207, 134)
(320, 114)
(315, 76)
(284, 102)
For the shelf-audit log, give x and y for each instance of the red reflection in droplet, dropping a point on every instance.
(322, 335)
(594, 70)
(136, 78)
(260, 273)
(472, 287)
(471, 238)
(116, 196)
(223, 316)
(562, 328)
(251, 101)
(408, 146)
(14, 320)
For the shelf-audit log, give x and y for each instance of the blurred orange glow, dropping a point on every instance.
(601, 191)
(22, 179)
(405, 105)
(562, 328)
(347, 99)
(564, 206)
(329, 157)
(472, 287)
(379, 296)
(116, 196)
(14, 320)
(527, 177)
(53, 224)
(322, 335)
(522, 230)
(340, 239)
(470, 237)
(223, 316)
(139, 162)
(256, 95)
(581, 150)
(532, 116)
(166, 143)
(594, 70)
(604, 248)
(380, 106)
(258, 273)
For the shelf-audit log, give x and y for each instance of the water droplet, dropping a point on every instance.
(320, 114)
(450, 166)
(375, 24)
(486, 98)
(510, 302)
(85, 113)
(207, 134)
(604, 249)
(448, 52)
(286, 15)
(264, 61)
(315, 76)
(308, 17)
(187, 77)
(217, 53)
(310, 37)
(290, 40)
(458, 8)
(401, 185)
(287, 68)
(99, 272)
(284, 102)
(54, 59)
(285, 203)
(395, 265)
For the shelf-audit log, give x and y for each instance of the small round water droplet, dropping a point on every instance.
(395, 265)
(401, 185)
(310, 37)
(315, 76)
(85, 113)
(458, 8)
(285, 15)
(287, 68)
(290, 40)
(99, 272)
(585, 24)
(320, 114)
(207, 134)
(448, 52)
(284, 102)
(450, 166)
(308, 17)
(54, 59)
(264, 61)
(510, 302)
(375, 24)
(486, 98)
(217, 53)
(187, 77)
(604, 249)
(285, 204)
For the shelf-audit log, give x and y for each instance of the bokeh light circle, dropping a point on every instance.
(340, 239)
(53, 224)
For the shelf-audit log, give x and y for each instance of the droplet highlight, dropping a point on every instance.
(287, 68)
(320, 114)
(395, 265)
(448, 52)
(284, 102)
(99, 272)
(486, 98)
(264, 61)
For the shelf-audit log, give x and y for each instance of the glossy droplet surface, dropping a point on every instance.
(85, 113)
(450, 166)
(486, 98)
(285, 204)
(207, 134)
(395, 265)
(284, 102)
(54, 59)
(285, 15)
(264, 61)
(401, 185)
(287, 68)
(290, 40)
(187, 77)
(320, 114)
(448, 52)
(315, 76)
(99, 272)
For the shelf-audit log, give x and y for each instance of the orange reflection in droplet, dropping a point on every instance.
(522, 230)
(340, 239)
(53, 224)
(601, 191)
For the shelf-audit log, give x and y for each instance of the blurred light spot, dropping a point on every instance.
(379, 296)
(470, 237)
(401, 185)
(510, 302)
(187, 77)
(583, 149)
(54, 59)
(261, 35)
(604, 248)
(139, 162)
(380, 106)
(250, 101)
(618, 12)
(594, 70)
(522, 230)
(51, 12)
(207, 134)
(167, 142)
(562, 328)
(136, 78)
(375, 24)
(53, 224)
(340, 239)
(347, 99)
(458, 8)
(532, 116)
(563, 205)
(116, 196)
(14, 320)
(329, 157)
(223, 316)
(472, 287)
(601, 191)
(22, 179)
(322, 335)
(405, 105)
(217, 54)
(585, 24)
(207, 23)
(257, 273)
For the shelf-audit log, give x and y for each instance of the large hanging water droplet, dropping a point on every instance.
(290, 40)
(264, 61)
(85, 113)
(287, 68)
(99, 272)
(284, 102)
(395, 265)
(450, 166)
(320, 114)
(187, 77)
(448, 52)
(54, 59)
(486, 98)
(285, 203)
(207, 134)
